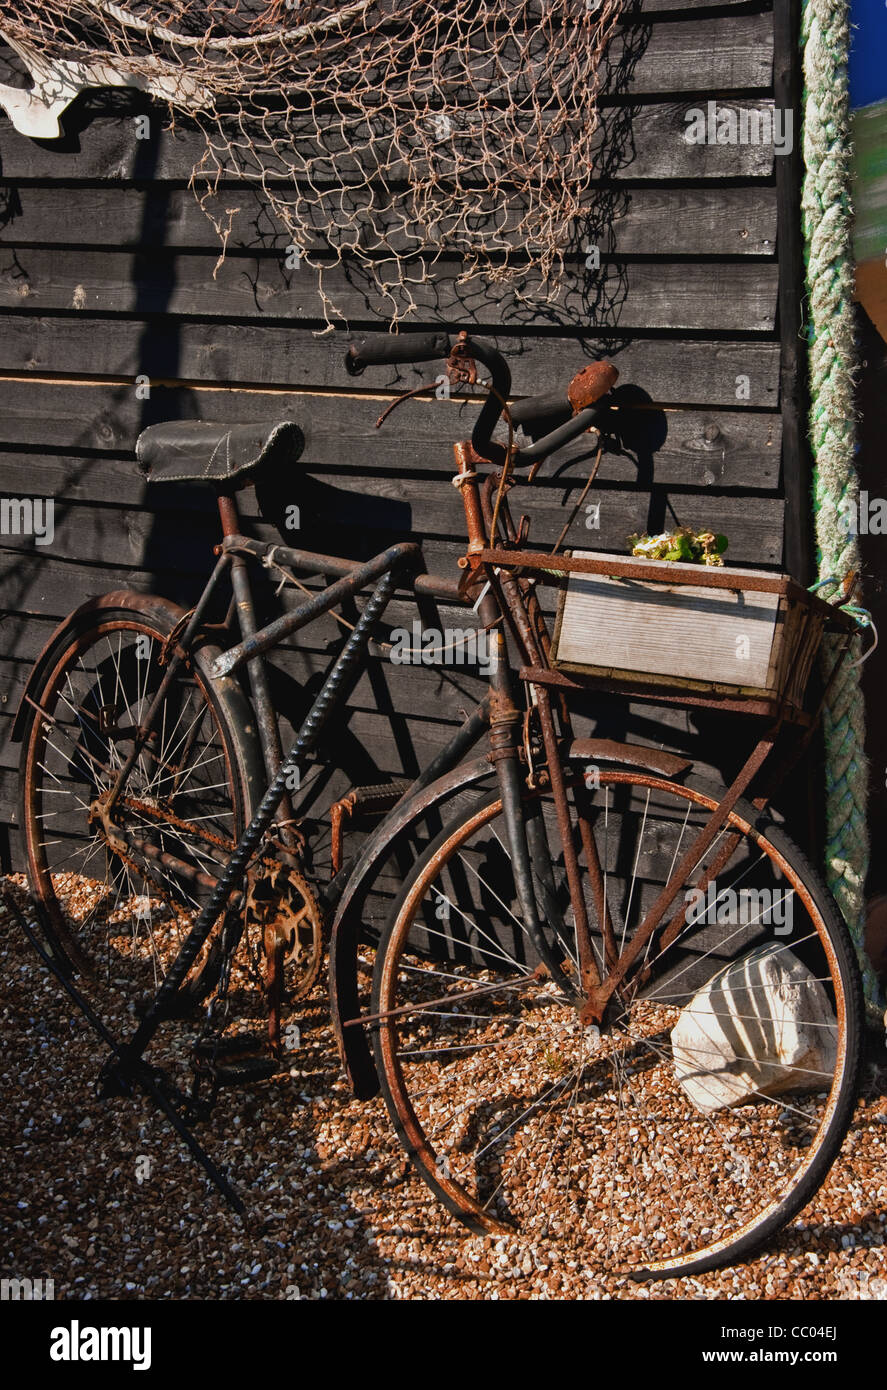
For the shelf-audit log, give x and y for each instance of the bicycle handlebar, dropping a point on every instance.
(532, 409)
(589, 386)
(500, 390)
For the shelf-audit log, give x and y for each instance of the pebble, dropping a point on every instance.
(331, 1223)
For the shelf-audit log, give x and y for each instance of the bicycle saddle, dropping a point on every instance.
(200, 451)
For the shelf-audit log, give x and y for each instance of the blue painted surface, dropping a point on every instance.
(868, 52)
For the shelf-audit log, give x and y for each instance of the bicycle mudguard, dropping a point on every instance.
(352, 1042)
(66, 631)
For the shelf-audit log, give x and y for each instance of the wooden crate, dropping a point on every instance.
(709, 630)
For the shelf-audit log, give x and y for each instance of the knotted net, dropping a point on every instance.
(382, 134)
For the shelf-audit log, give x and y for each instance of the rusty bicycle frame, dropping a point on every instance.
(527, 734)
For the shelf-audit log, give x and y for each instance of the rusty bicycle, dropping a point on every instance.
(611, 1007)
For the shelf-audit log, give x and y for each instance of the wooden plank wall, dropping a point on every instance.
(107, 273)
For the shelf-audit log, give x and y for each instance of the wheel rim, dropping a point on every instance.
(124, 921)
(519, 1117)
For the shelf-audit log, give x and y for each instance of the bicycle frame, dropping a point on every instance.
(390, 569)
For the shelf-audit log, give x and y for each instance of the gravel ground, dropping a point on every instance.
(102, 1198)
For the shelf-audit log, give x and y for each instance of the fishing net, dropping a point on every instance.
(383, 135)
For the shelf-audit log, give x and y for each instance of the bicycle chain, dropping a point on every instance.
(178, 821)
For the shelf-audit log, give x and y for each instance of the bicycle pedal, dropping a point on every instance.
(378, 798)
(249, 1070)
(234, 1046)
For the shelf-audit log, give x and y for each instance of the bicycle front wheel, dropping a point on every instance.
(706, 1108)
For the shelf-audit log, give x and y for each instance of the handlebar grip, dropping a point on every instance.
(379, 348)
(571, 429)
(533, 409)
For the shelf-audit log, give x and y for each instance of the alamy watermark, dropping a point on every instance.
(863, 515)
(722, 125)
(27, 516)
(861, 1284)
(27, 1290)
(76, 1343)
(744, 907)
(418, 646)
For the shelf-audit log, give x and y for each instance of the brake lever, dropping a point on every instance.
(404, 396)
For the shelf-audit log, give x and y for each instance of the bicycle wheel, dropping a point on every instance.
(121, 916)
(706, 1108)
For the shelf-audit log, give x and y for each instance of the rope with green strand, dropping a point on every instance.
(826, 214)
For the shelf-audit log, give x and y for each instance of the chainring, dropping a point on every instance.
(280, 906)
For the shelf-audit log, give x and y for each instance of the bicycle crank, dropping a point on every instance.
(283, 919)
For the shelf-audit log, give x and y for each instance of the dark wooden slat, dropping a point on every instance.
(23, 640)
(687, 221)
(50, 588)
(385, 749)
(107, 150)
(535, 9)
(386, 507)
(698, 54)
(685, 447)
(372, 744)
(9, 810)
(704, 373)
(656, 8)
(712, 449)
(703, 55)
(426, 692)
(724, 296)
(730, 51)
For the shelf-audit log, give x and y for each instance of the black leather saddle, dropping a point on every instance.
(225, 456)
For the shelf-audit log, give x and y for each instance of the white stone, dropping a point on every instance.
(762, 1025)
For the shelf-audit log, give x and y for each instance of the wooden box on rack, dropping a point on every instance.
(711, 630)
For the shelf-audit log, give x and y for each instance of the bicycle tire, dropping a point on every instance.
(60, 763)
(449, 1151)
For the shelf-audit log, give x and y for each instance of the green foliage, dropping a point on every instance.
(685, 546)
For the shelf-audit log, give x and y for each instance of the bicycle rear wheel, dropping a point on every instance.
(708, 1106)
(120, 918)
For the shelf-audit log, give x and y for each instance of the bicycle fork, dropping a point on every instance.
(117, 1072)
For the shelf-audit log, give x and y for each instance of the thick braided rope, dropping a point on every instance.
(826, 213)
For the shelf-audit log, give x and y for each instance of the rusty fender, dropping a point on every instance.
(352, 1042)
(68, 629)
